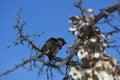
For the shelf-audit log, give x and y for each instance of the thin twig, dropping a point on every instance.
(118, 51)
(25, 62)
(114, 27)
(110, 9)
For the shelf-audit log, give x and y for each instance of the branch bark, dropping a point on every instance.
(25, 62)
(110, 10)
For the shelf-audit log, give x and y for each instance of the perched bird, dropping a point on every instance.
(51, 47)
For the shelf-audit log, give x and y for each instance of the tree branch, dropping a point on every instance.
(110, 9)
(25, 62)
(25, 38)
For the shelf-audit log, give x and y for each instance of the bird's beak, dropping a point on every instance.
(65, 42)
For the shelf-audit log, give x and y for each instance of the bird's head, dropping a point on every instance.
(61, 41)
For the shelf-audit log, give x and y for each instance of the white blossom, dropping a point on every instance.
(88, 10)
(89, 79)
(96, 55)
(99, 64)
(72, 29)
(73, 18)
(82, 53)
(97, 29)
(105, 44)
(88, 71)
(75, 74)
(103, 75)
(84, 24)
(92, 39)
(76, 33)
(102, 35)
(108, 37)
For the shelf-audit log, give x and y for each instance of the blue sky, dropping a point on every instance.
(48, 16)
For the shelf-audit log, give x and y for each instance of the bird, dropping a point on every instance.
(52, 47)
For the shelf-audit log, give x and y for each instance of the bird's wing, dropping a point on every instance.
(48, 45)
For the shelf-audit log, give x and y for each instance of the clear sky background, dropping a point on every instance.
(48, 16)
